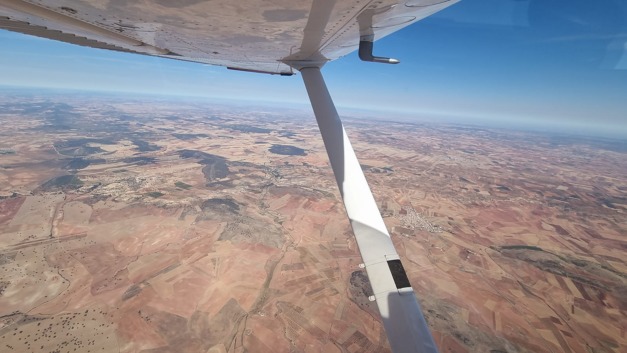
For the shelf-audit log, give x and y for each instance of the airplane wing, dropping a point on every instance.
(252, 35)
(269, 36)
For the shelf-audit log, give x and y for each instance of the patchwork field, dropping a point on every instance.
(157, 226)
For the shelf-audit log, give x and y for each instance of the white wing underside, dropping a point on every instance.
(253, 35)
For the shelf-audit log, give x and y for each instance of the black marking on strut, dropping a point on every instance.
(398, 273)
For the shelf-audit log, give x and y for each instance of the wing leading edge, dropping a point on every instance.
(251, 35)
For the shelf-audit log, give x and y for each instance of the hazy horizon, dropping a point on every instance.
(507, 123)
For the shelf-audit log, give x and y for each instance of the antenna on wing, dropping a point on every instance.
(366, 45)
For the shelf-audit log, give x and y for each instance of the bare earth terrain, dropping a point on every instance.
(136, 225)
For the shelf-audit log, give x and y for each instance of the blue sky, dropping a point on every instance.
(558, 64)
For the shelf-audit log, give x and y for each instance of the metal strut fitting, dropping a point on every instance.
(365, 52)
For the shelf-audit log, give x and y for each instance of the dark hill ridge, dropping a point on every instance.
(189, 136)
(77, 163)
(197, 154)
(248, 129)
(221, 204)
(600, 280)
(81, 163)
(141, 160)
(144, 146)
(64, 182)
(215, 167)
(80, 147)
(80, 151)
(241, 227)
(287, 150)
(82, 142)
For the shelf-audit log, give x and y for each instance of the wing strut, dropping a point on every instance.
(404, 323)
